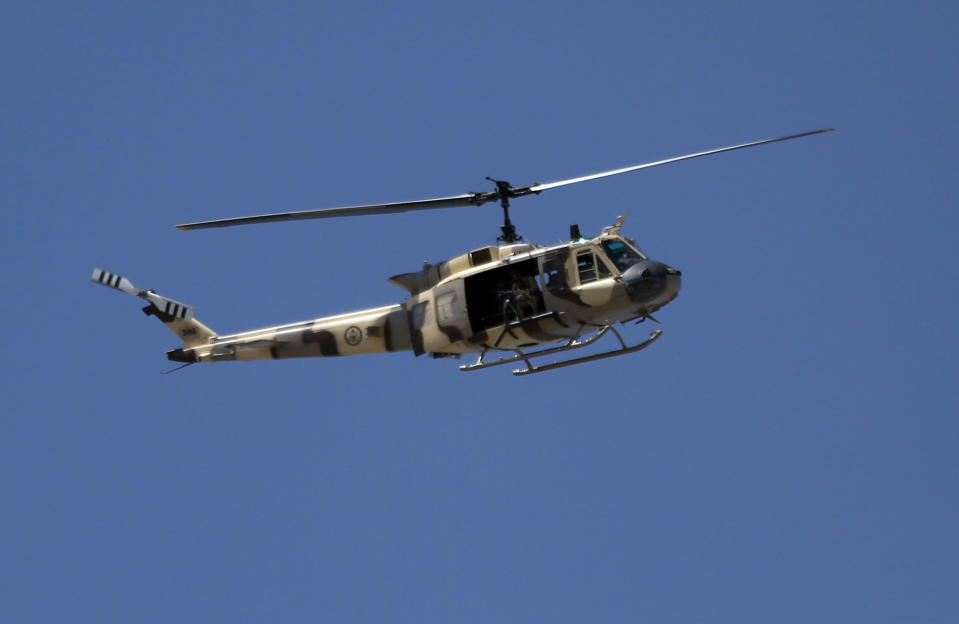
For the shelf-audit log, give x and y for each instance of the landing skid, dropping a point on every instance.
(569, 346)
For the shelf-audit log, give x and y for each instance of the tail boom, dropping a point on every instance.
(375, 330)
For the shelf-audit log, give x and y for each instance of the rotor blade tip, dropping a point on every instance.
(181, 227)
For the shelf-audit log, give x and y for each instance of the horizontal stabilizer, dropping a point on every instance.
(164, 305)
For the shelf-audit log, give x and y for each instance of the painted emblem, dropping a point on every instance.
(353, 336)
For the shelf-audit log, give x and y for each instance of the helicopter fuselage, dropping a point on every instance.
(499, 297)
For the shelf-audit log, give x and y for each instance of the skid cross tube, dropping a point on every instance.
(572, 344)
(530, 369)
(569, 346)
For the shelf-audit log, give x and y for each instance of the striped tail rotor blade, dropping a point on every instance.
(169, 307)
(113, 280)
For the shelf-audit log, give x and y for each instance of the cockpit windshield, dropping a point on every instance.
(622, 255)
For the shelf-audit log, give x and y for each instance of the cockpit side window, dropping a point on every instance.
(622, 255)
(587, 267)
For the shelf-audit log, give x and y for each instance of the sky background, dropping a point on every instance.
(786, 452)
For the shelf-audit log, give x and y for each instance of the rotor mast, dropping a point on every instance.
(505, 191)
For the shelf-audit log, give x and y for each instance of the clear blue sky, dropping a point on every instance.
(785, 453)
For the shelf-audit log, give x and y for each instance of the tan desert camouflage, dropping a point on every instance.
(504, 298)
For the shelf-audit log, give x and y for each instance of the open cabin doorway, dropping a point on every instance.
(505, 293)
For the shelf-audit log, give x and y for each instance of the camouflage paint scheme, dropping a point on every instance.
(376, 330)
(496, 298)
(569, 299)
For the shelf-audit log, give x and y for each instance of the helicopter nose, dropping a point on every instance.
(647, 269)
(648, 279)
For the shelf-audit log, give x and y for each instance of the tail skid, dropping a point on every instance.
(175, 315)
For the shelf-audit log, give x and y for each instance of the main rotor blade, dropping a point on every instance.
(468, 199)
(536, 188)
(504, 193)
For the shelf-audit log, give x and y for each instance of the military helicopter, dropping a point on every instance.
(498, 301)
